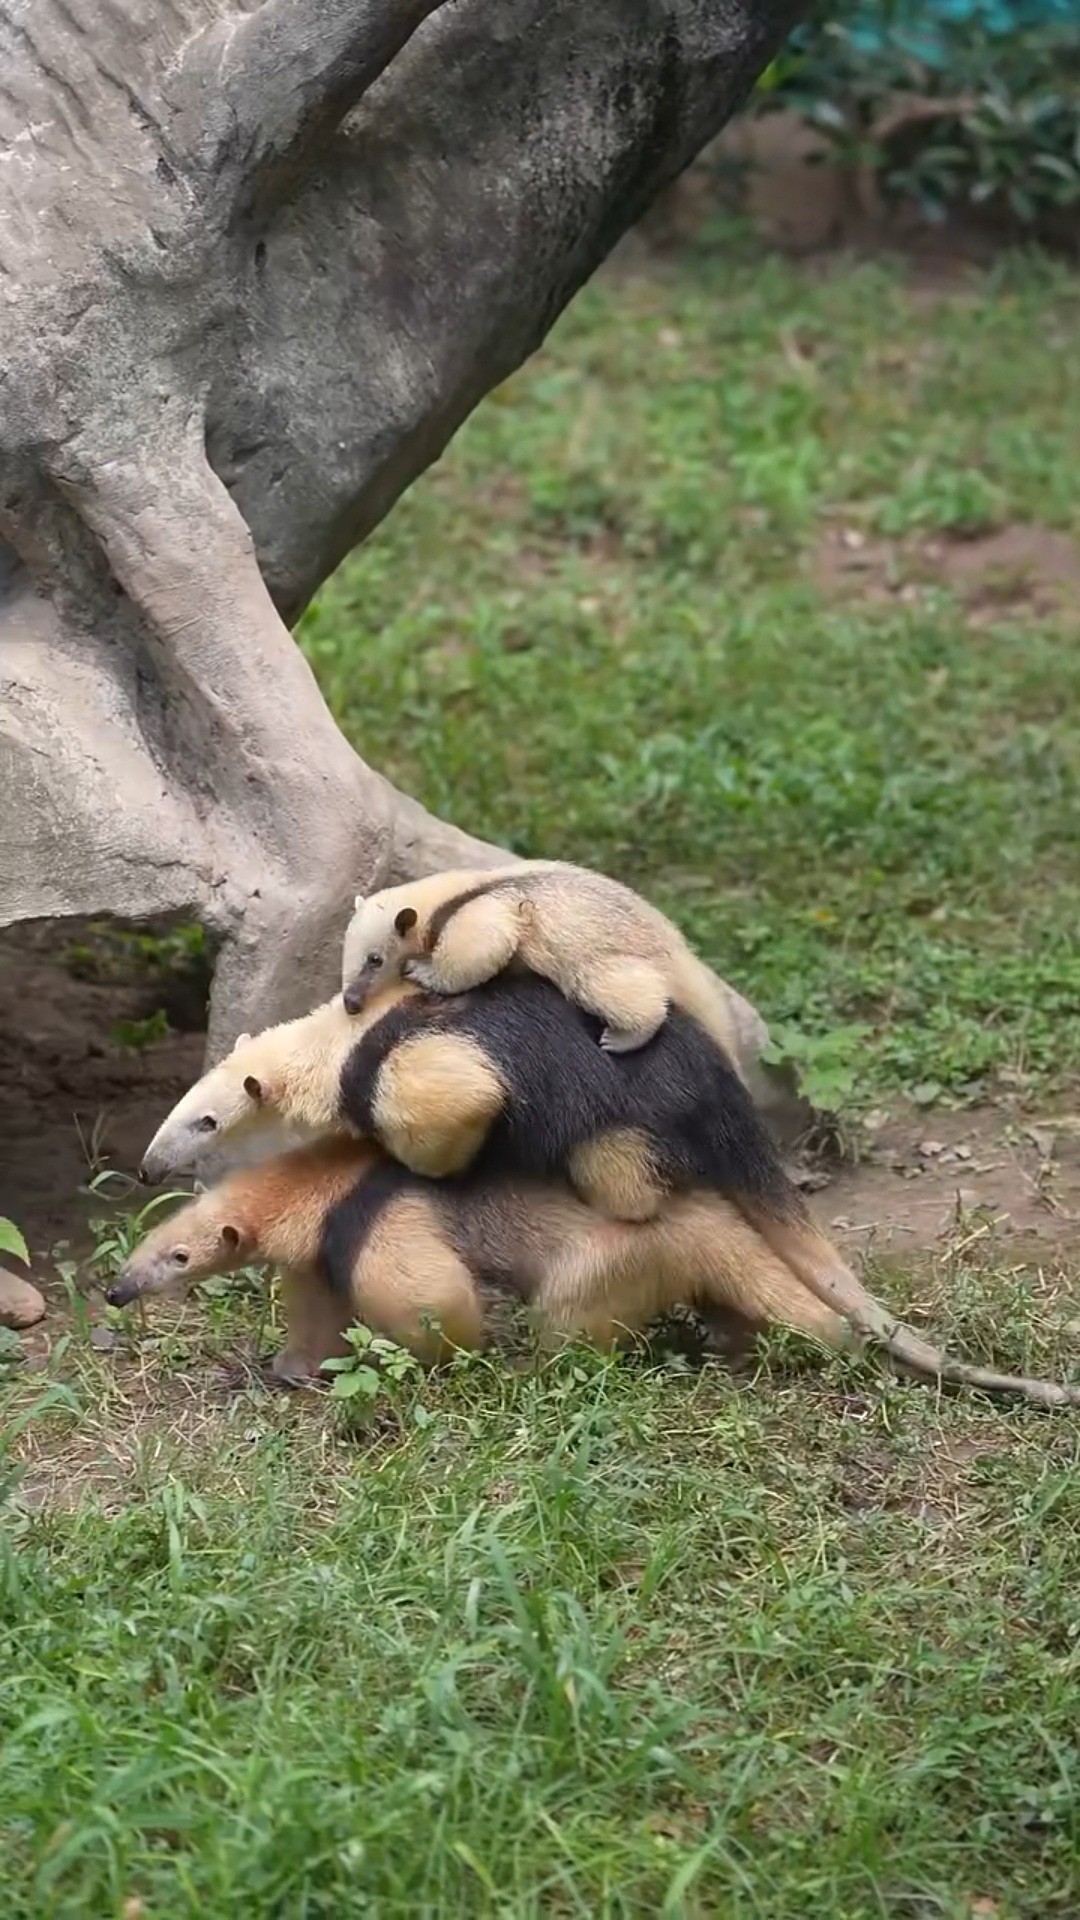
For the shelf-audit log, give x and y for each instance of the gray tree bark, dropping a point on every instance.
(257, 263)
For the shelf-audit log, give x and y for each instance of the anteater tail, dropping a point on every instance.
(699, 993)
(816, 1262)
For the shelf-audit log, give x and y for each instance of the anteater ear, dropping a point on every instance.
(231, 1238)
(406, 920)
(241, 1040)
(252, 1087)
(358, 903)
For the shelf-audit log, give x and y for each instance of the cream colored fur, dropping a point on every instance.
(603, 946)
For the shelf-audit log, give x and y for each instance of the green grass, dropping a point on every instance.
(627, 1638)
(595, 1639)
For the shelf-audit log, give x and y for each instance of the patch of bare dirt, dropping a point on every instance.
(851, 564)
(1012, 569)
(134, 1419)
(936, 1181)
(1032, 568)
(75, 1097)
(934, 1489)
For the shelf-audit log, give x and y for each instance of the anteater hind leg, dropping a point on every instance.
(699, 1251)
(605, 1324)
(603, 1286)
(730, 1266)
(630, 996)
(614, 1175)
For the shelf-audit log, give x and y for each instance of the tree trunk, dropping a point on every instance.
(255, 268)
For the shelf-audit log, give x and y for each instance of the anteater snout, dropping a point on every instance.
(122, 1292)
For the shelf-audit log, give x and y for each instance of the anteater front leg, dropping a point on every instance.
(475, 945)
(315, 1323)
(435, 1098)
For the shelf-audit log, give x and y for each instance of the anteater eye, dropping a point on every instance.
(207, 1124)
(374, 959)
(181, 1257)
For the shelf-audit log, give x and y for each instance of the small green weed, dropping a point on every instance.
(141, 1033)
(826, 1064)
(375, 1366)
(12, 1241)
(377, 1379)
(116, 1235)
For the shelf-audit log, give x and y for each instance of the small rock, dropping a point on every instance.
(811, 1179)
(931, 1148)
(102, 1339)
(21, 1305)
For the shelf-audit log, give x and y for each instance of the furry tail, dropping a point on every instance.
(700, 994)
(817, 1263)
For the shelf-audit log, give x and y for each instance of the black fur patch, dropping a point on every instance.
(350, 1222)
(479, 1218)
(680, 1090)
(482, 1220)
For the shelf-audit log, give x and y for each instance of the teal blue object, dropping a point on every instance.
(915, 26)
